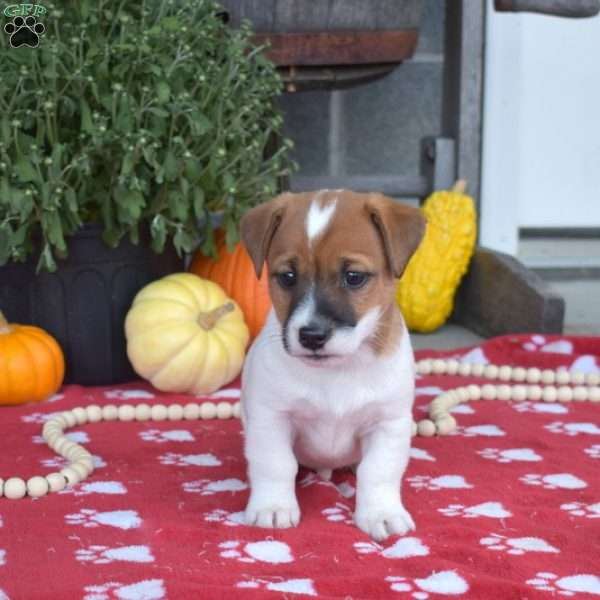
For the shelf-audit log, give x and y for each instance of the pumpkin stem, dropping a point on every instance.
(207, 320)
(460, 187)
(4, 326)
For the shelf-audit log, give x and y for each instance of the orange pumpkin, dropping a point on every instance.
(234, 272)
(32, 365)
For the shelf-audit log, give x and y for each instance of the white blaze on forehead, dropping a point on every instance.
(318, 217)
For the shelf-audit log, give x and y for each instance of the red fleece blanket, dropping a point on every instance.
(508, 507)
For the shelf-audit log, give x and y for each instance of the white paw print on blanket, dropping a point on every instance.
(340, 512)
(555, 481)
(541, 408)
(102, 555)
(2, 557)
(96, 487)
(459, 409)
(122, 519)
(593, 451)
(79, 437)
(492, 510)
(455, 482)
(566, 586)
(268, 551)
(420, 454)
(579, 509)
(189, 460)
(290, 586)
(148, 589)
(161, 437)
(572, 428)
(586, 363)
(344, 488)
(38, 417)
(208, 487)
(406, 547)
(128, 395)
(227, 393)
(480, 430)
(59, 462)
(510, 455)
(233, 519)
(447, 583)
(538, 343)
(517, 546)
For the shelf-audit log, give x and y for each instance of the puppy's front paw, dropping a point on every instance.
(273, 512)
(382, 521)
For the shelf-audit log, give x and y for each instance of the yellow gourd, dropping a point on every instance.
(184, 334)
(425, 293)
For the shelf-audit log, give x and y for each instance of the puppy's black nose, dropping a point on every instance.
(314, 336)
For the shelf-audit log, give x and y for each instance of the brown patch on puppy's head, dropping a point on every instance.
(332, 258)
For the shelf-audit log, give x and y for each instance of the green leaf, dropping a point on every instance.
(171, 166)
(163, 92)
(159, 112)
(71, 200)
(198, 202)
(231, 233)
(178, 207)
(5, 244)
(129, 205)
(199, 123)
(170, 23)
(86, 117)
(25, 171)
(158, 229)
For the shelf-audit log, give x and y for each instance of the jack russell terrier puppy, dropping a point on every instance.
(329, 381)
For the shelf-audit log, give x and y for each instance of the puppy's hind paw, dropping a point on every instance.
(382, 522)
(281, 517)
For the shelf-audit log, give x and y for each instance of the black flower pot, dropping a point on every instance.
(84, 303)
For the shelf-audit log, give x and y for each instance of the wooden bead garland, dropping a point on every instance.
(586, 387)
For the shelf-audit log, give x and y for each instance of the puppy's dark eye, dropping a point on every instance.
(355, 279)
(287, 279)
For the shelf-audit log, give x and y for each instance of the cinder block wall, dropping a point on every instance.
(375, 128)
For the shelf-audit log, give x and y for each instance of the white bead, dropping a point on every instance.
(175, 412)
(446, 425)
(519, 374)
(94, 413)
(80, 469)
(424, 366)
(110, 412)
(548, 376)
(563, 376)
(594, 394)
(208, 410)
(534, 392)
(191, 411)
(56, 482)
(519, 393)
(534, 375)
(37, 487)
(490, 371)
(474, 392)
(452, 366)
(69, 418)
(126, 412)
(159, 412)
(550, 394)
(77, 453)
(71, 475)
(58, 443)
(224, 410)
(465, 369)
(463, 394)
(1, 487)
(237, 410)
(592, 379)
(439, 366)
(143, 412)
(50, 438)
(488, 391)
(426, 428)
(64, 446)
(80, 415)
(52, 425)
(477, 369)
(503, 392)
(580, 393)
(88, 463)
(413, 429)
(505, 373)
(15, 488)
(565, 393)
(577, 378)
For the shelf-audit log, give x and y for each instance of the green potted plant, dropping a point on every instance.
(123, 135)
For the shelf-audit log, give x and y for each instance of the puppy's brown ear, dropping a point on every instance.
(400, 228)
(257, 228)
